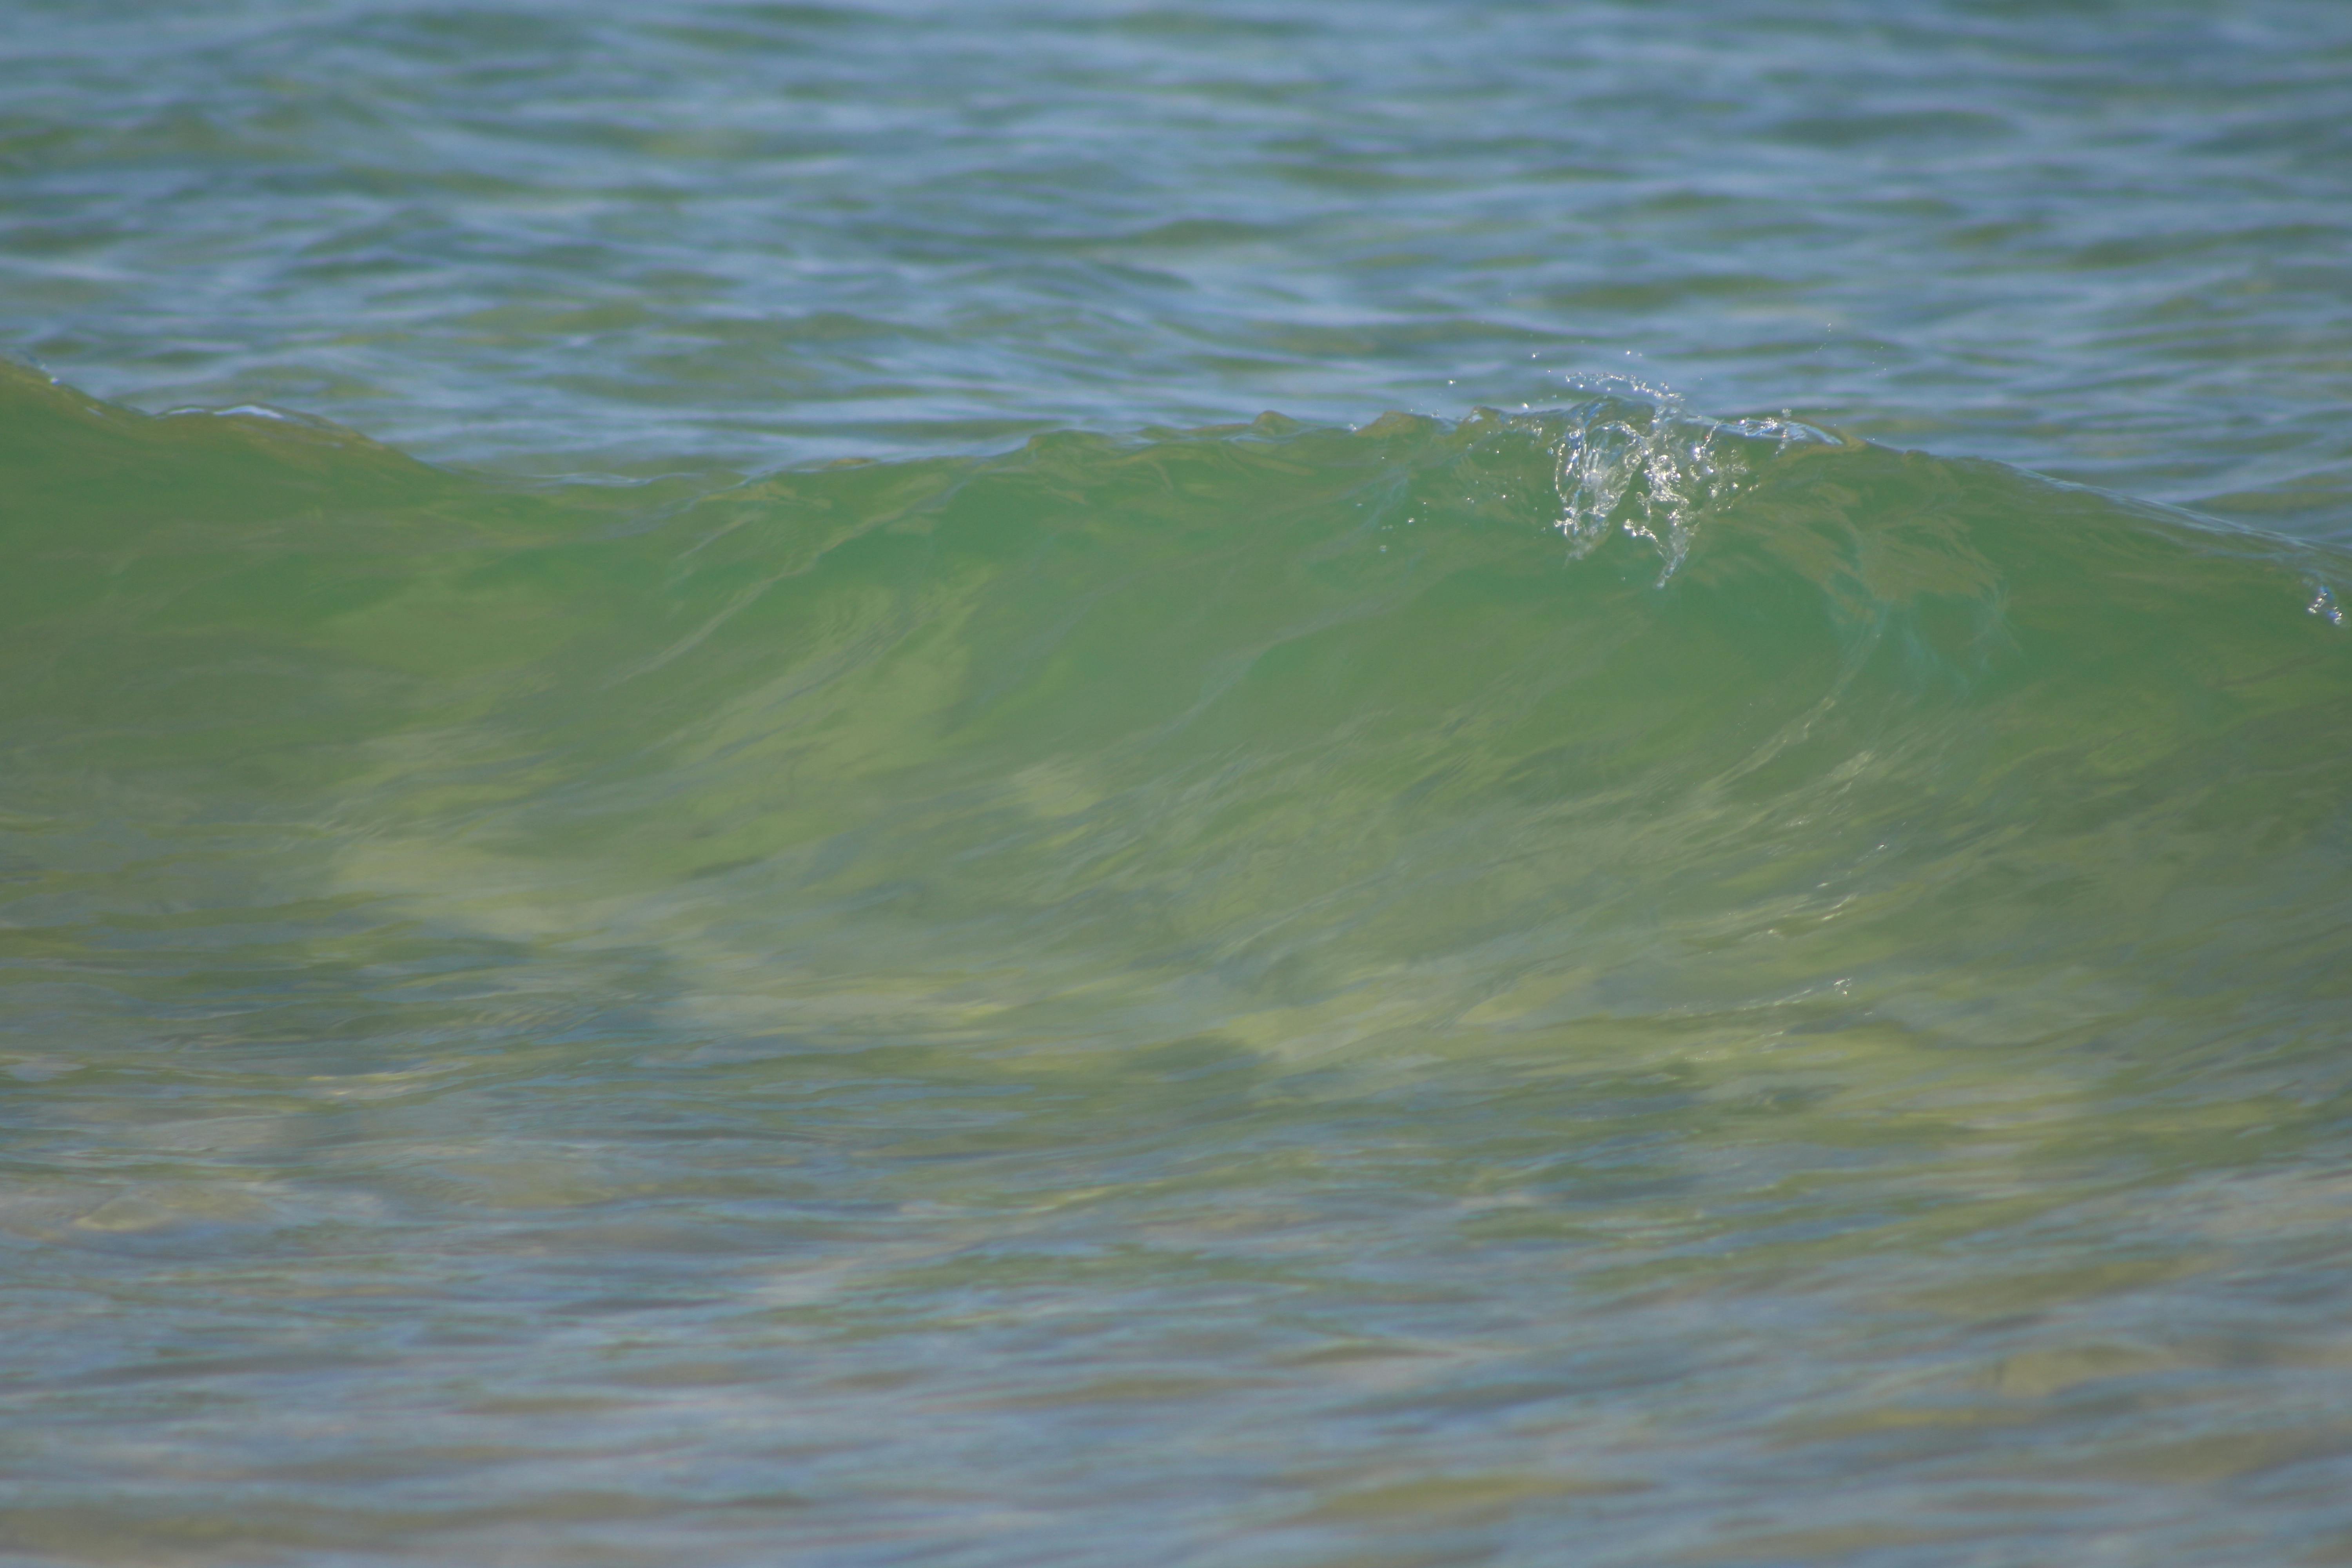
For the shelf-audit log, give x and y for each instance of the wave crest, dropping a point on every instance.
(1651, 469)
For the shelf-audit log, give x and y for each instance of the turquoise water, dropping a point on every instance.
(1217, 785)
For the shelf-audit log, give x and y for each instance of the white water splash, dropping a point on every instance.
(1646, 467)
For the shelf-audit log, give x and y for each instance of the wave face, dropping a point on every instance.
(1051, 977)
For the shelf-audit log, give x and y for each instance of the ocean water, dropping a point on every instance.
(1238, 784)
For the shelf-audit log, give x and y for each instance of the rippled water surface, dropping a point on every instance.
(1345, 786)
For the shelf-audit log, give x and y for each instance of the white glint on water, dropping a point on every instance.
(1643, 465)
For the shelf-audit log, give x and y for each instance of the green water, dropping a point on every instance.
(1225, 977)
(929, 944)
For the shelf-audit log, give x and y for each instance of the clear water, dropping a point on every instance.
(719, 862)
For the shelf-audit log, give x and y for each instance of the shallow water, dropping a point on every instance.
(822, 905)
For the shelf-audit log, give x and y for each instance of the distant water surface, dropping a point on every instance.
(2105, 240)
(1248, 785)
